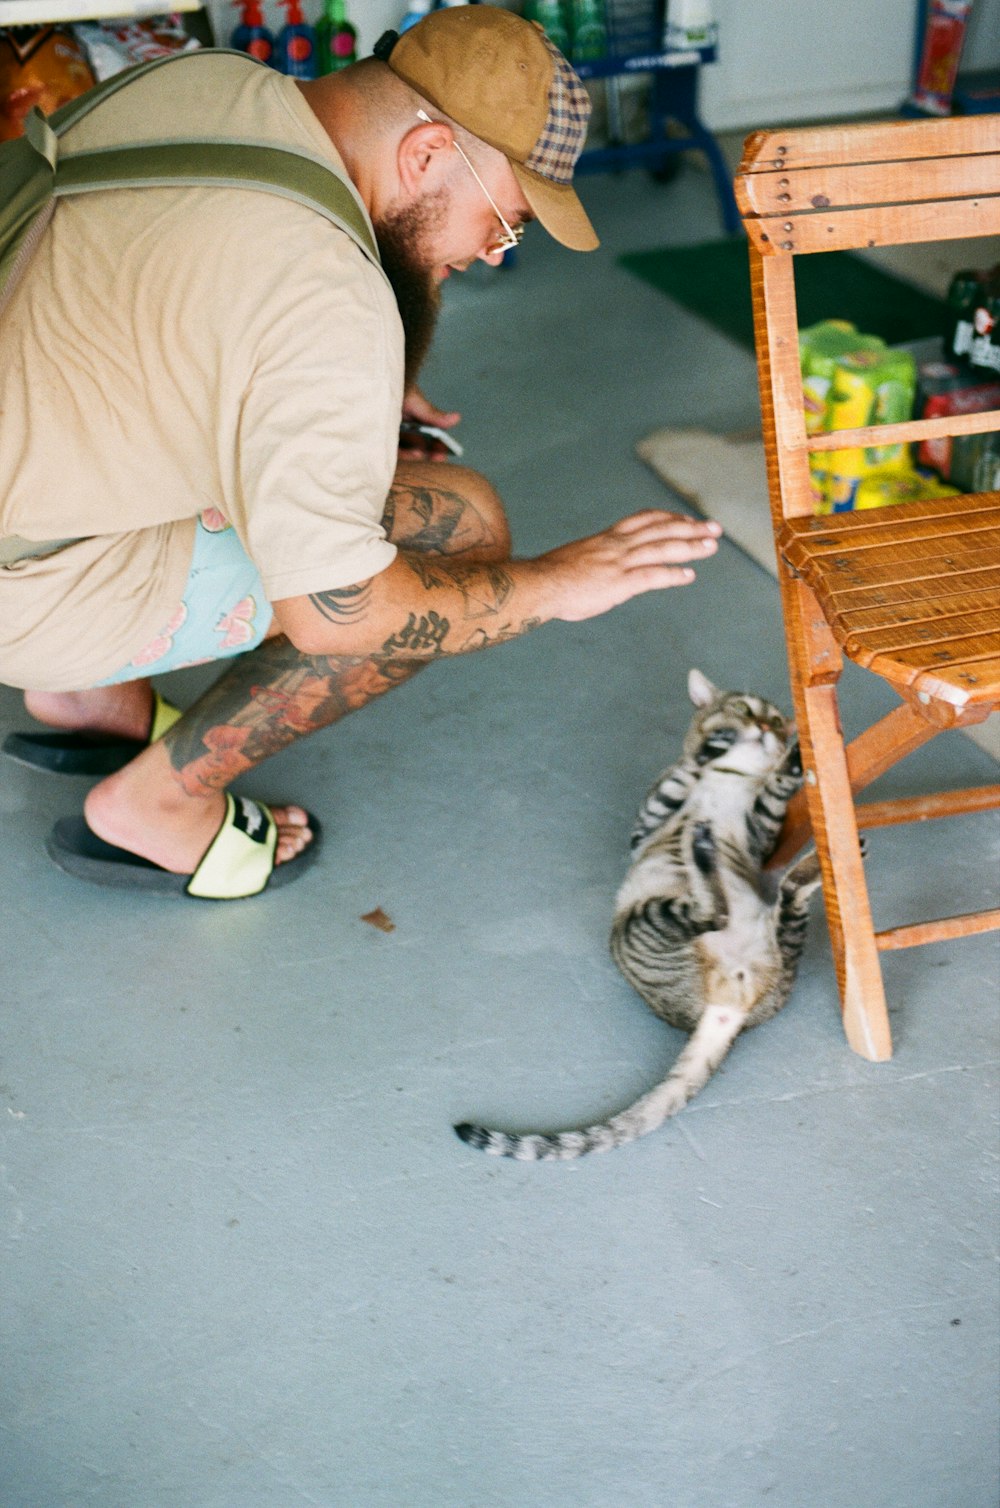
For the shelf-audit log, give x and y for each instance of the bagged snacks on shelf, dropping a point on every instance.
(881, 488)
(39, 65)
(120, 42)
(850, 381)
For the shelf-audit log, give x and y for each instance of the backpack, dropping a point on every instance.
(34, 176)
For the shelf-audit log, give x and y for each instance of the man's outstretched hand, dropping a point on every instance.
(642, 553)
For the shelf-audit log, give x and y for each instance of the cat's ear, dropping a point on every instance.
(700, 689)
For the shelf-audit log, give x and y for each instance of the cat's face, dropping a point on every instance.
(735, 730)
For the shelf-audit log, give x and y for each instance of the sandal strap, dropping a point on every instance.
(165, 714)
(240, 858)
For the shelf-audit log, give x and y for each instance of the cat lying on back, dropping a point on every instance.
(710, 941)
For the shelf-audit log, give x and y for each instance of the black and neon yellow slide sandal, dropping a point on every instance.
(238, 863)
(87, 753)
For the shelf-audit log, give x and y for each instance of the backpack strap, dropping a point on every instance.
(219, 162)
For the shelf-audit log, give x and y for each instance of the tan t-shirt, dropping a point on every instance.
(174, 349)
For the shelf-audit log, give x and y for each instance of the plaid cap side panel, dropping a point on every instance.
(561, 141)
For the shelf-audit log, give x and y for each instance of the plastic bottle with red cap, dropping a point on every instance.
(251, 35)
(295, 50)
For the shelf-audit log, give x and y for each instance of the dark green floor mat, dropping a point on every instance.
(713, 281)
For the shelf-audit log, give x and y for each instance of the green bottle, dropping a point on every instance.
(963, 296)
(589, 33)
(336, 38)
(549, 15)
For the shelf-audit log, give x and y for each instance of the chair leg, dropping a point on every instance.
(868, 756)
(845, 890)
(815, 664)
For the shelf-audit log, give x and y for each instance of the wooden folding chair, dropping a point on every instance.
(911, 591)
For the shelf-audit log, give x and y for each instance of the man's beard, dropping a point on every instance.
(400, 235)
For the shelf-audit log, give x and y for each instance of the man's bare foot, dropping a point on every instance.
(125, 711)
(143, 809)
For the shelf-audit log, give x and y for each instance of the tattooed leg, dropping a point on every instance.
(457, 514)
(276, 694)
(267, 700)
(167, 804)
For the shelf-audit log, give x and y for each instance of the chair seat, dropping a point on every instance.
(912, 592)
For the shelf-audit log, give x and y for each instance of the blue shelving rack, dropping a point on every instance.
(635, 47)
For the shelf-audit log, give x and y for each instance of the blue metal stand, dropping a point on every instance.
(673, 96)
(637, 41)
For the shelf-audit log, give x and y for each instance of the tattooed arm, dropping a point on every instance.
(426, 605)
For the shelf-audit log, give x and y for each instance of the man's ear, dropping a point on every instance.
(423, 155)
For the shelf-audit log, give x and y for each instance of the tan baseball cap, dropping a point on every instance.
(500, 77)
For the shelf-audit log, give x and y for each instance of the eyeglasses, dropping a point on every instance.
(512, 236)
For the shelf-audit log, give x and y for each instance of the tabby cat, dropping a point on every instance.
(710, 941)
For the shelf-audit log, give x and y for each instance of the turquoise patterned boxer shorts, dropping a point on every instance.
(223, 611)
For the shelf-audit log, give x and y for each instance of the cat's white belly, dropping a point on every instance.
(741, 962)
(723, 799)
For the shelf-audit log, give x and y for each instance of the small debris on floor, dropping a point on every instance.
(378, 918)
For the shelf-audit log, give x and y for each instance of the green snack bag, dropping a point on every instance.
(873, 387)
(895, 381)
(820, 348)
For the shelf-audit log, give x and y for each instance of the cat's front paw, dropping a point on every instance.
(703, 847)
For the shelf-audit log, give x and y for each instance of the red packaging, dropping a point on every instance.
(944, 35)
(966, 400)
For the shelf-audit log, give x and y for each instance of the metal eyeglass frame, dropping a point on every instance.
(511, 237)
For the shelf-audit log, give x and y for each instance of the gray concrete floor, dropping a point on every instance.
(246, 1264)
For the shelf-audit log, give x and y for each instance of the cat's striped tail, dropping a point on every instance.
(706, 1047)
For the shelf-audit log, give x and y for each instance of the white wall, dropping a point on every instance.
(779, 60)
(982, 48)
(782, 60)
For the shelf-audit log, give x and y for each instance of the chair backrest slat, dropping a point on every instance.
(883, 225)
(837, 186)
(894, 141)
(982, 423)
